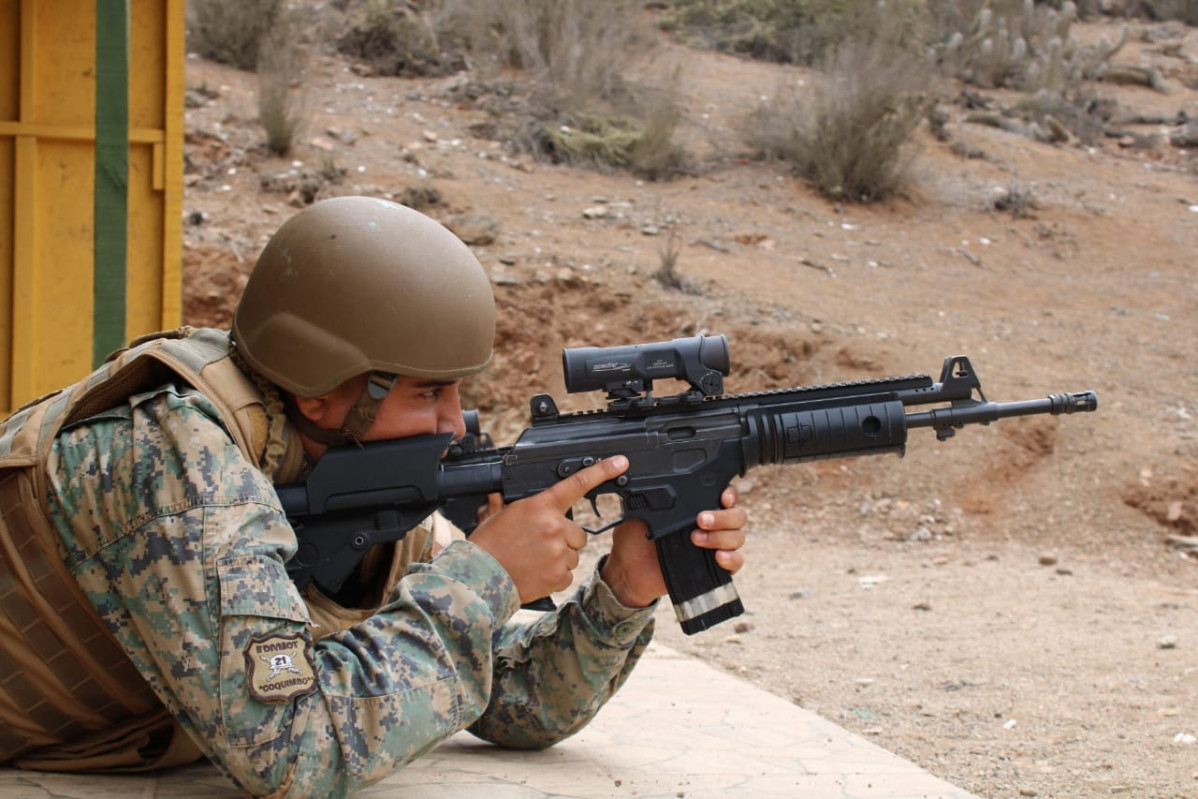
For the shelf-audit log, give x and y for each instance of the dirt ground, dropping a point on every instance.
(1015, 609)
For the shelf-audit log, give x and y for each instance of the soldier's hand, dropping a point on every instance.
(532, 538)
(633, 572)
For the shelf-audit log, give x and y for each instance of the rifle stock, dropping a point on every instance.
(683, 450)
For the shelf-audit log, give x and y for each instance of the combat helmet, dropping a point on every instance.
(358, 285)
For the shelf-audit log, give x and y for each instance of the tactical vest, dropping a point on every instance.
(70, 698)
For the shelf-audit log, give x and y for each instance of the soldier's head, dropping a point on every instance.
(354, 298)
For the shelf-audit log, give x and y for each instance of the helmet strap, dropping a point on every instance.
(357, 422)
(361, 416)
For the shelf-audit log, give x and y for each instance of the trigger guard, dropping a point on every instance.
(604, 528)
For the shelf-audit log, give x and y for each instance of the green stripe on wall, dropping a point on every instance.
(112, 176)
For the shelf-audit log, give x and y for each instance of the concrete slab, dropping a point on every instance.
(679, 728)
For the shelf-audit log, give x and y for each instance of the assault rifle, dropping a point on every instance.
(683, 450)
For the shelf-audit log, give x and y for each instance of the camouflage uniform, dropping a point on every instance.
(180, 543)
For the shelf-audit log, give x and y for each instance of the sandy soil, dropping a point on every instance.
(1014, 609)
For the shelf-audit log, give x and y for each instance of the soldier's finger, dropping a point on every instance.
(576, 537)
(564, 494)
(730, 497)
(727, 540)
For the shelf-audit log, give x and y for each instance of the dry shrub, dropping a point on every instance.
(640, 141)
(852, 134)
(566, 97)
(655, 155)
(667, 274)
(789, 31)
(230, 31)
(1184, 10)
(645, 147)
(397, 38)
(281, 68)
(596, 142)
(574, 51)
(760, 29)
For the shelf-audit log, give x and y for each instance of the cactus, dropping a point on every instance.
(1030, 46)
(1018, 44)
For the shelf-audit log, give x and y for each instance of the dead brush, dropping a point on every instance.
(596, 142)
(282, 101)
(230, 31)
(1016, 201)
(667, 271)
(575, 52)
(562, 66)
(801, 32)
(397, 38)
(852, 134)
(641, 141)
(655, 154)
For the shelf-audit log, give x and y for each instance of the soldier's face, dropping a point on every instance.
(417, 407)
(414, 407)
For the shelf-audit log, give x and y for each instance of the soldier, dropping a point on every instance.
(148, 618)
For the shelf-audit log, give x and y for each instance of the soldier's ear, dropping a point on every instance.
(313, 408)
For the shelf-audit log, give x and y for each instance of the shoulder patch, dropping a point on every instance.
(279, 668)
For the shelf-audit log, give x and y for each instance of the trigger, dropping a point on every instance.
(595, 505)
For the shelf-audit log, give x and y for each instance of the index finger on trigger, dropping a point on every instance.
(568, 491)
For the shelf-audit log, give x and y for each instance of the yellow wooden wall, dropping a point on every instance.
(47, 180)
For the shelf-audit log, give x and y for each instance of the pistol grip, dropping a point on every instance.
(701, 589)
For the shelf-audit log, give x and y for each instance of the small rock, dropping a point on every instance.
(920, 534)
(1048, 560)
(475, 229)
(1167, 642)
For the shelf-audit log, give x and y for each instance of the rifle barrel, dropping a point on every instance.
(986, 412)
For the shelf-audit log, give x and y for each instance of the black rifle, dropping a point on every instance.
(683, 450)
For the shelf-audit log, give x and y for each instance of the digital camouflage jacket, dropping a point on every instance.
(178, 540)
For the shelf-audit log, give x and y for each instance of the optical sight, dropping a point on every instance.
(626, 372)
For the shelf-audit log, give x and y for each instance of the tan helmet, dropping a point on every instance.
(355, 285)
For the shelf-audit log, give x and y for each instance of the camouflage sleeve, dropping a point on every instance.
(180, 544)
(554, 673)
